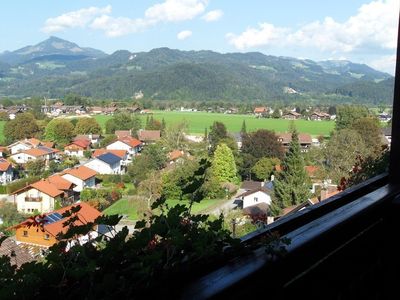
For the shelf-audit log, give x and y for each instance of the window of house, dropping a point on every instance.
(25, 233)
(255, 199)
(46, 236)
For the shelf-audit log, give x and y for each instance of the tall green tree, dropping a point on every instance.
(262, 143)
(87, 126)
(223, 166)
(264, 168)
(123, 121)
(59, 131)
(347, 114)
(370, 131)
(217, 132)
(292, 184)
(23, 126)
(243, 130)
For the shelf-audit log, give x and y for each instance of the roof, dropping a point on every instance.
(84, 143)
(286, 138)
(293, 113)
(249, 192)
(18, 254)
(120, 153)
(175, 154)
(130, 141)
(4, 164)
(34, 142)
(86, 214)
(36, 152)
(122, 133)
(311, 170)
(46, 187)
(251, 184)
(48, 144)
(86, 136)
(109, 158)
(260, 109)
(81, 172)
(149, 135)
(256, 209)
(60, 182)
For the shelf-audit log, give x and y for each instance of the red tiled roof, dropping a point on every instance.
(34, 142)
(36, 152)
(175, 154)
(81, 172)
(83, 143)
(60, 182)
(86, 215)
(48, 144)
(260, 109)
(286, 138)
(122, 133)
(4, 164)
(46, 187)
(131, 141)
(119, 153)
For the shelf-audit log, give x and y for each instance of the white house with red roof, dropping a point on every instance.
(41, 152)
(130, 144)
(6, 171)
(77, 148)
(82, 177)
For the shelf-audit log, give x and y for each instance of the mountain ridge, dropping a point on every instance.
(163, 73)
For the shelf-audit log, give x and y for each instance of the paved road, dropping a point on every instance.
(227, 206)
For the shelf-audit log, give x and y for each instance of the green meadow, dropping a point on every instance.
(198, 121)
(2, 131)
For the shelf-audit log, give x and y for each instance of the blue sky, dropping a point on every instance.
(360, 31)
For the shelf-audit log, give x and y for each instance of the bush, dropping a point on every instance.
(16, 185)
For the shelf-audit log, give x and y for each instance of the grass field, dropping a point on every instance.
(198, 121)
(125, 207)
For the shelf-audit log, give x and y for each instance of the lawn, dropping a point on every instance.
(198, 121)
(124, 207)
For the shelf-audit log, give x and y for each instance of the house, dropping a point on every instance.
(123, 154)
(384, 117)
(42, 196)
(96, 110)
(305, 140)
(106, 163)
(260, 111)
(149, 136)
(41, 152)
(6, 171)
(319, 116)
(255, 196)
(28, 144)
(291, 115)
(131, 145)
(82, 177)
(52, 225)
(93, 138)
(77, 148)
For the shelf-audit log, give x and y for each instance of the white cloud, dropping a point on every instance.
(175, 10)
(183, 35)
(213, 15)
(78, 18)
(100, 18)
(385, 63)
(374, 26)
(265, 35)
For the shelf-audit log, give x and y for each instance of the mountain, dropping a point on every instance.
(53, 46)
(56, 67)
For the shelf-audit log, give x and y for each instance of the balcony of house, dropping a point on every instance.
(33, 199)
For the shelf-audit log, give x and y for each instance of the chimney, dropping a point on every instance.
(272, 177)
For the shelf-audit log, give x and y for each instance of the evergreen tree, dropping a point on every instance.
(243, 131)
(223, 166)
(163, 126)
(292, 185)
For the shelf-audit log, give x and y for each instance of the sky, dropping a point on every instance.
(361, 31)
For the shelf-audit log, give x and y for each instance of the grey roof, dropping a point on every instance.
(251, 185)
(47, 149)
(109, 158)
(260, 189)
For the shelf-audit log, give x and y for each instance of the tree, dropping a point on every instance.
(151, 188)
(243, 130)
(217, 133)
(264, 167)
(35, 167)
(87, 126)
(9, 214)
(156, 155)
(347, 114)
(223, 167)
(108, 139)
(123, 121)
(370, 131)
(23, 126)
(292, 184)
(59, 131)
(174, 136)
(262, 143)
(341, 153)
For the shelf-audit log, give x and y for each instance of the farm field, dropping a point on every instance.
(125, 207)
(198, 121)
(2, 131)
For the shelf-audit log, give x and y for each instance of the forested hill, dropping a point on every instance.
(55, 67)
